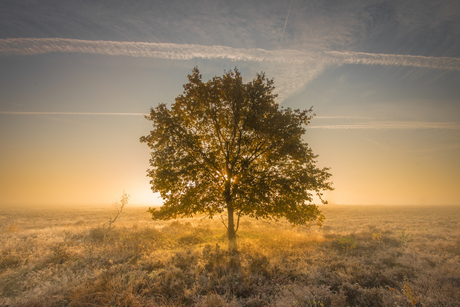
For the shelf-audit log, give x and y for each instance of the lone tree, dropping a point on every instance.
(226, 145)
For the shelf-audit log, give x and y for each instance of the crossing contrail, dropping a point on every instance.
(292, 69)
(31, 46)
(285, 23)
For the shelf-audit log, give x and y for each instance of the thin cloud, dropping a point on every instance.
(70, 113)
(394, 59)
(293, 68)
(387, 125)
(285, 23)
(169, 51)
(30, 46)
(368, 126)
(140, 114)
(342, 117)
(440, 148)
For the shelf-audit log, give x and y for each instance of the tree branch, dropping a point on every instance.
(217, 129)
(185, 139)
(222, 220)
(119, 206)
(238, 221)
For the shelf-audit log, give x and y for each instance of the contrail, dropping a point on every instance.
(70, 113)
(386, 125)
(348, 57)
(285, 23)
(140, 114)
(293, 68)
(30, 46)
(342, 117)
(382, 125)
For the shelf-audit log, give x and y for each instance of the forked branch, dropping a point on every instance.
(119, 207)
(238, 221)
(223, 222)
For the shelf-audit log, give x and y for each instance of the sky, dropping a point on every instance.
(76, 78)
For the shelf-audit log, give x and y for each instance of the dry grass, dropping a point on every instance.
(362, 256)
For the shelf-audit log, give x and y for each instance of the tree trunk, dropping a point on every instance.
(231, 234)
(231, 230)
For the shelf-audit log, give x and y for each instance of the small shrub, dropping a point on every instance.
(408, 293)
(137, 243)
(359, 296)
(190, 239)
(97, 234)
(258, 264)
(347, 243)
(61, 252)
(256, 302)
(80, 223)
(451, 247)
(212, 300)
(305, 296)
(217, 262)
(377, 237)
(183, 260)
(405, 237)
(9, 261)
(13, 227)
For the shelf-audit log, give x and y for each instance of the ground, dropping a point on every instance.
(362, 256)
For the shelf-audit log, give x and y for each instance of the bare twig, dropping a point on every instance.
(222, 220)
(119, 207)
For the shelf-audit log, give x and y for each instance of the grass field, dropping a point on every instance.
(362, 256)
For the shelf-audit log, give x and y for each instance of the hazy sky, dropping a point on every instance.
(383, 78)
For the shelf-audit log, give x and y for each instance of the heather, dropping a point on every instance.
(361, 256)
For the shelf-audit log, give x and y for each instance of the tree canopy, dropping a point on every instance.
(225, 145)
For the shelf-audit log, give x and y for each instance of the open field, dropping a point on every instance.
(362, 256)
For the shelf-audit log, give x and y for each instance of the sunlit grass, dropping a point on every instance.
(362, 256)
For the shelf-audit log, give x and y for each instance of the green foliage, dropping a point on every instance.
(226, 145)
(97, 234)
(377, 236)
(190, 239)
(13, 227)
(405, 237)
(409, 293)
(61, 252)
(8, 260)
(347, 242)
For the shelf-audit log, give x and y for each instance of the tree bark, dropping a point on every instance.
(231, 234)
(231, 224)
